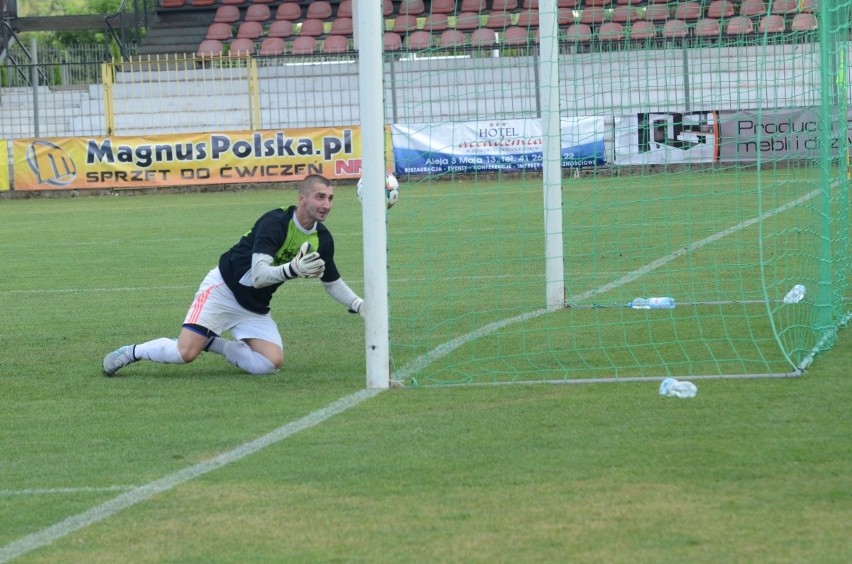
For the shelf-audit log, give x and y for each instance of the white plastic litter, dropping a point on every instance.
(673, 388)
(795, 295)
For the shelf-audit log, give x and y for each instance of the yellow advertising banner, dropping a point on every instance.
(188, 159)
(5, 180)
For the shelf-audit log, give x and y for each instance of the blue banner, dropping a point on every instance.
(494, 145)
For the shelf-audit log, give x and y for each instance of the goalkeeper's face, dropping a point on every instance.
(317, 204)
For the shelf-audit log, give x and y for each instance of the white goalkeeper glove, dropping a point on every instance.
(305, 264)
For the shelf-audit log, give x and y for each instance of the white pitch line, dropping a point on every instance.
(444, 349)
(137, 495)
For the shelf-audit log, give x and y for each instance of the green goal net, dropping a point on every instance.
(708, 166)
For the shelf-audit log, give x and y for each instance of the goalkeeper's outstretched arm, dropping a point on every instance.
(341, 292)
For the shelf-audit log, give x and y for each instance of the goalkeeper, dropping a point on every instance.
(284, 244)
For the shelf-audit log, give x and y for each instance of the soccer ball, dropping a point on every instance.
(391, 190)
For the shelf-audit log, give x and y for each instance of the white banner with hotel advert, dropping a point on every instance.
(512, 145)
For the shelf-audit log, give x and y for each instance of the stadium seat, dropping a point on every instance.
(257, 13)
(564, 16)
(202, 3)
(515, 35)
(599, 3)
(289, 11)
(232, 2)
(751, 8)
(272, 46)
(772, 23)
(467, 20)
(392, 41)
(658, 1)
(721, 9)
(451, 38)
(785, 7)
(675, 29)
(611, 31)
(593, 15)
(319, 10)
(304, 45)
(739, 25)
(280, 28)
(411, 7)
(436, 22)
(335, 44)
(404, 24)
(344, 9)
(567, 3)
(528, 18)
(220, 31)
(241, 47)
(504, 5)
(387, 8)
(707, 27)
(805, 21)
(642, 30)
(209, 48)
(656, 12)
(227, 14)
(341, 26)
(263, 1)
(419, 40)
(172, 3)
(443, 6)
(483, 37)
(688, 11)
(498, 20)
(312, 28)
(625, 14)
(250, 30)
(578, 33)
(472, 6)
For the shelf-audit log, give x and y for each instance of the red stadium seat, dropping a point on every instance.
(656, 12)
(443, 6)
(498, 20)
(257, 13)
(404, 24)
(467, 20)
(341, 26)
(593, 15)
(451, 38)
(739, 25)
(304, 45)
(688, 11)
(289, 11)
(280, 28)
(515, 35)
(611, 31)
(344, 9)
(436, 22)
(227, 14)
(312, 28)
(392, 41)
(504, 5)
(335, 44)
(319, 10)
(172, 3)
(472, 6)
(752, 8)
(625, 14)
(528, 18)
(721, 9)
(483, 37)
(272, 46)
(784, 7)
(220, 31)
(419, 40)
(578, 33)
(707, 27)
(675, 29)
(209, 48)
(772, 23)
(250, 30)
(241, 47)
(411, 7)
(804, 22)
(642, 30)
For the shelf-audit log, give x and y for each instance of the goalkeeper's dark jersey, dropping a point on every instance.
(275, 234)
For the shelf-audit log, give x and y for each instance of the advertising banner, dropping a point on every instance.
(5, 181)
(666, 138)
(496, 145)
(777, 134)
(183, 160)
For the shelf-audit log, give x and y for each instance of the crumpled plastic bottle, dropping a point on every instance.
(795, 295)
(671, 387)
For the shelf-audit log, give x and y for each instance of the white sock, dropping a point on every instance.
(164, 351)
(242, 356)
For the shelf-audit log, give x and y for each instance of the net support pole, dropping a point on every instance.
(552, 157)
(371, 105)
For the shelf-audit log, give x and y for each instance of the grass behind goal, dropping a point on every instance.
(467, 279)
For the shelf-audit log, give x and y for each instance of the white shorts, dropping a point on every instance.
(215, 308)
